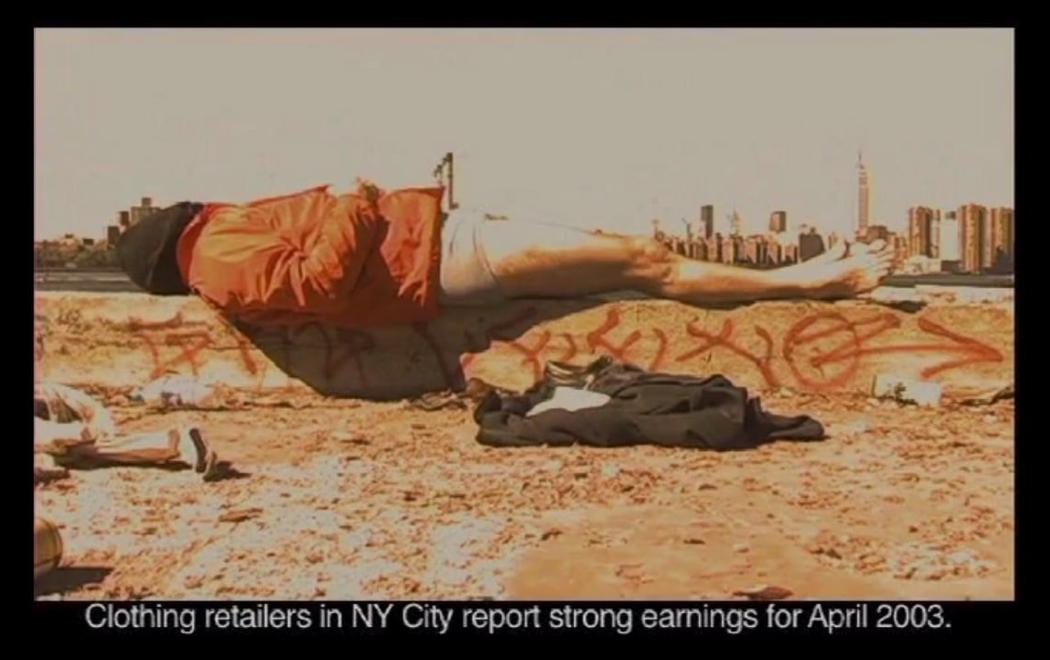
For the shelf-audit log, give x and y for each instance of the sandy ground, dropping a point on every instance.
(347, 499)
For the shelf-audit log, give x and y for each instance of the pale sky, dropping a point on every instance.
(593, 128)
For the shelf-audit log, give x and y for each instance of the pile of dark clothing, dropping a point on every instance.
(614, 404)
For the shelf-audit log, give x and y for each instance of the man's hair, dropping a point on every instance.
(147, 250)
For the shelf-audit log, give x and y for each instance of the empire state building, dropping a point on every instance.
(863, 197)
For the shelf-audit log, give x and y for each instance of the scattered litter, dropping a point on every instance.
(906, 390)
(550, 533)
(741, 547)
(176, 392)
(240, 515)
(694, 540)
(988, 398)
(352, 438)
(432, 401)
(764, 593)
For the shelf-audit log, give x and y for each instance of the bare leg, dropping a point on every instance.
(148, 449)
(174, 446)
(547, 260)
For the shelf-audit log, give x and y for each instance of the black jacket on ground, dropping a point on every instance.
(645, 408)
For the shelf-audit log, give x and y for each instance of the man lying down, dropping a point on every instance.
(372, 258)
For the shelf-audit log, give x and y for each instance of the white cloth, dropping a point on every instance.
(73, 415)
(570, 398)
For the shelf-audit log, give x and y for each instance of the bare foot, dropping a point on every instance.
(845, 270)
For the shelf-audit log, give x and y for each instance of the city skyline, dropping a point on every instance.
(589, 128)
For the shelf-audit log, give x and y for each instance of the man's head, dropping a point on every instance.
(147, 250)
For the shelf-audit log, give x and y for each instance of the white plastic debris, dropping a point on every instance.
(906, 390)
(176, 392)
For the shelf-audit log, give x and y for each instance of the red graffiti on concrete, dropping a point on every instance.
(570, 351)
(661, 351)
(725, 338)
(596, 338)
(188, 354)
(821, 351)
(854, 347)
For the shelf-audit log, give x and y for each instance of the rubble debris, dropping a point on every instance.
(177, 392)
(240, 515)
(764, 593)
(45, 469)
(988, 398)
(906, 390)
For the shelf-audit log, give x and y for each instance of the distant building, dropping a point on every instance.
(123, 219)
(875, 233)
(901, 249)
(810, 244)
(790, 254)
(713, 249)
(833, 240)
(143, 211)
(778, 222)
(924, 232)
(863, 197)
(949, 242)
(728, 251)
(112, 234)
(972, 233)
(920, 265)
(707, 219)
(774, 252)
(735, 223)
(1001, 243)
(87, 242)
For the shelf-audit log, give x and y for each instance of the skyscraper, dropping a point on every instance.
(707, 219)
(735, 223)
(924, 232)
(727, 254)
(1002, 239)
(810, 244)
(972, 233)
(778, 222)
(863, 196)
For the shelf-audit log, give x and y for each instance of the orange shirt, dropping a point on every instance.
(356, 260)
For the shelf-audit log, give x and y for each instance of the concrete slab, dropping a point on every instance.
(127, 339)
